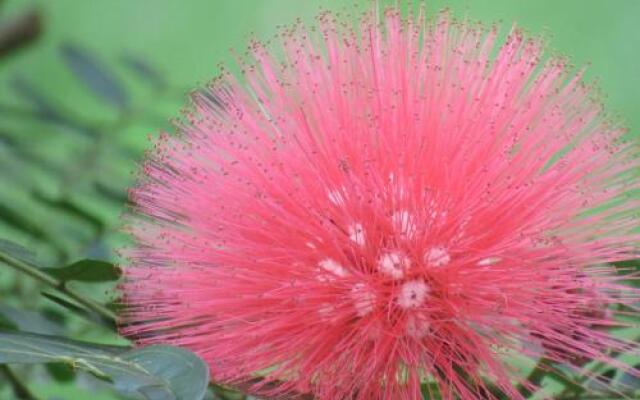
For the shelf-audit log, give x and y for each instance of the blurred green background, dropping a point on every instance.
(77, 106)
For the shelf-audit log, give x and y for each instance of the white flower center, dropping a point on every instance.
(394, 264)
(412, 294)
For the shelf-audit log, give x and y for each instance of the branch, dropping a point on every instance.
(59, 286)
(21, 391)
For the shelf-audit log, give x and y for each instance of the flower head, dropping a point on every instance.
(378, 207)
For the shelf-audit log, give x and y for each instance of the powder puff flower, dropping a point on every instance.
(364, 209)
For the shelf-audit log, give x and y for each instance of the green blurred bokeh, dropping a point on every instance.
(186, 41)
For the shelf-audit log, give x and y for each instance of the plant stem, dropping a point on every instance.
(21, 391)
(59, 285)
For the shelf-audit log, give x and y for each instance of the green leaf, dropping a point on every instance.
(431, 391)
(95, 75)
(6, 324)
(155, 372)
(628, 265)
(86, 271)
(61, 372)
(30, 321)
(81, 271)
(185, 373)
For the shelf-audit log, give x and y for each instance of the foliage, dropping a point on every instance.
(156, 372)
(66, 210)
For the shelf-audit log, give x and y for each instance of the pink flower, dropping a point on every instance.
(377, 207)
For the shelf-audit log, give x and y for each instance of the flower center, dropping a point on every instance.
(412, 294)
(394, 264)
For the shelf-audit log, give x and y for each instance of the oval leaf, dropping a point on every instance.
(156, 372)
(185, 373)
(30, 321)
(86, 271)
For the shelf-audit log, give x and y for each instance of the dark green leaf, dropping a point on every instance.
(6, 324)
(431, 391)
(628, 265)
(61, 372)
(54, 315)
(164, 372)
(185, 373)
(30, 321)
(86, 271)
(95, 75)
(31, 348)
